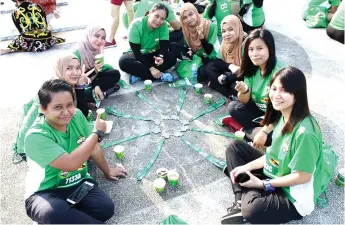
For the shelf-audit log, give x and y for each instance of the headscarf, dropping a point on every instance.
(190, 33)
(87, 52)
(61, 65)
(231, 52)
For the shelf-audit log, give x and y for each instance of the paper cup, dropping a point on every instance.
(207, 99)
(162, 173)
(99, 58)
(198, 88)
(101, 111)
(118, 149)
(173, 177)
(109, 126)
(239, 135)
(340, 178)
(148, 85)
(159, 184)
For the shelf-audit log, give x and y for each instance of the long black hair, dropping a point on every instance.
(248, 69)
(293, 82)
(212, 10)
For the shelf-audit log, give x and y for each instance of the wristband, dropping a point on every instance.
(246, 91)
(264, 131)
(80, 86)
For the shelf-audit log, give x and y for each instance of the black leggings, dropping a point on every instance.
(176, 36)
(51, 207)
(258, 206)
(244, 114)
(248, 29)
(337, 35)
(130, 65)
(214, 69)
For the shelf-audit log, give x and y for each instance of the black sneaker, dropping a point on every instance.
(234, 215)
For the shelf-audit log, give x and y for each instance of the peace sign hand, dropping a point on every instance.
(84, 79)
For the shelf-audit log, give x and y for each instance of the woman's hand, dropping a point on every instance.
(114, 173)
(99, 93)
(199, 29)
(84, 79)
(254, 182)
(220, 78)
(260, 139)
(98, 66)
(241, 87)
(100, 124)
(238, 170)
(158, 60)
(155, 72)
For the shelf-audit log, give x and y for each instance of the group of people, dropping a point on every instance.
(282, 185)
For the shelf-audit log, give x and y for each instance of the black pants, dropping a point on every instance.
(247, 28)
(130, 65)
(51, 207)
(337, 35)
(176, 36)
(258, 206)
(244, 115)
(214, 69)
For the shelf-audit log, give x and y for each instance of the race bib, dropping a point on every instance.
(66, 179)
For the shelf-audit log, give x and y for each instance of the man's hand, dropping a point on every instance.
(114, 173)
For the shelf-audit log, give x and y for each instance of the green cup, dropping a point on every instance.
(173, 178)
(239, 135)
(101, 111)
(119, 149)
(198, 88)
(89, 116)
(99, 58)
(340, 178)
(148, 85)
(207, 99)
(159, 184)
(162, 173)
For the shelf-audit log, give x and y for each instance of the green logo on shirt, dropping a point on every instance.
(81, 139)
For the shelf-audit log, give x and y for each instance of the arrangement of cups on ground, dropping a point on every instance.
(165, 175)
(207, 97)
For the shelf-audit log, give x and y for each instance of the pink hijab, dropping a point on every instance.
(87, 52)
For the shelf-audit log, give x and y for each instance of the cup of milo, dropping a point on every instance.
(162, 173)
(101, 111)
(239, 135)
(198, 88)
(340, 177)
(148, 85)
(207, 99)
(159, 184)
(173, 177)
(119, 149)
(99, 58)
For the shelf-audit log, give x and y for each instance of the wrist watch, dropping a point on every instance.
(100, 135)
(268, 186)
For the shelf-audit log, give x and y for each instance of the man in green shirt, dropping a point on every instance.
(57, 146)
(335, 29)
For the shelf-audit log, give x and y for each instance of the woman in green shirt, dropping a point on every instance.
(149, 42)
(259, 63)
(58, 145)
(200, 37)
(285, 183)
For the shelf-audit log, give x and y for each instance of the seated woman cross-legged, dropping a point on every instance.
(285, 183)
(57, 147)
(222, 72)
(149, 43)
(258, 66)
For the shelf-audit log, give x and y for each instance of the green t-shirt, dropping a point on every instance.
(223, 9)
(145, 5)
(254, 16)
(212, 39)
(44, 144)
(140, 33)
(259, 86)
(300, 150)
(337, 21)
